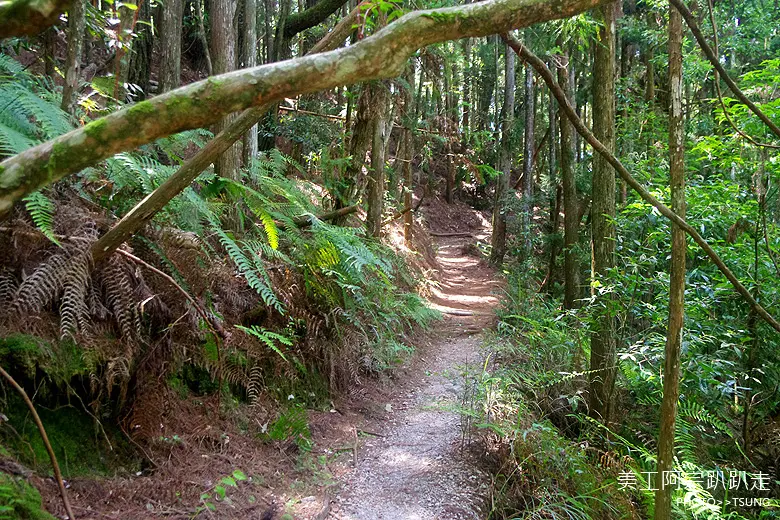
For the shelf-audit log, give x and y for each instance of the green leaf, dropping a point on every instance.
(239, 475)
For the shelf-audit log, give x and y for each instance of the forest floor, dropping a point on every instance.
(408, 459)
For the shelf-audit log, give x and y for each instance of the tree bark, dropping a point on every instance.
(409, 121)
(376, 174)
(128, 16)
(528, 159)
(170, 44)
(602, 343)
(76, 24)
(571, 221)
(498, 237)
(141, 59)
(223, 53)
(663, 496)
(249, 53)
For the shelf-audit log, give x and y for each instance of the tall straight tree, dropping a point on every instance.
(249, 53)
(170, 44)
(528, 157)
(663, 496)
(376, 174)
(571, 220)
(498, 238)
(76, 25)
(602, 343)
(223, 55)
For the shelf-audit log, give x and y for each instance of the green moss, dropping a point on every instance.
(20, 500)
(142, 108)
(444, 17)
(77, 441)
(96, 129)
(61, 362)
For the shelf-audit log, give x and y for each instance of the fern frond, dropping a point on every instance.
(41, 210)
(43, 286)
(73, 306)
(268, 338)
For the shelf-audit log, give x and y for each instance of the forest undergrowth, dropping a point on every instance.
(241, 315)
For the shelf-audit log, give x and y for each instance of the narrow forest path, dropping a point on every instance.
(415, 468)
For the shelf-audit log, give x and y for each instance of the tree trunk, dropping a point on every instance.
(249, 53)
(528, 159)
(498, 238)
(76, 24)
(376, 174)
(466, 86)
(200, 12)
(170, 44)
(648, 56)
(663, 496)
(571, 221)
(141, 59)
(449, 132)
(602, 350)
(409, 121)
(128, 16)
(223, 53)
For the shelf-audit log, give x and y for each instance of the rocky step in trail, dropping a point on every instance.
(412, 465)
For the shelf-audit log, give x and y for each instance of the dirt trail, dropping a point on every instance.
(415, 469)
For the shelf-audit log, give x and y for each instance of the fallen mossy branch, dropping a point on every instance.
(200, 104)
(586, 134)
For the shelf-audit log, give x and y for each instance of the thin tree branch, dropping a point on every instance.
(586, 134)
(713, 59)
(720, 93)
(383, 55)
(46, 443)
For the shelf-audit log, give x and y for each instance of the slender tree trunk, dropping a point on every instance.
(498, 238)
(376, 174)
(250, 60)
(409, 121)
(648, 56)
(663, 497)
(449, 132)
(141, 60)
(571, 221)
(602, 349)
(76, 24)
(466, 86)
(528, 158)
(128, 16)
(200, 13)
(49, 59)
(170, 44)
(223, 53)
